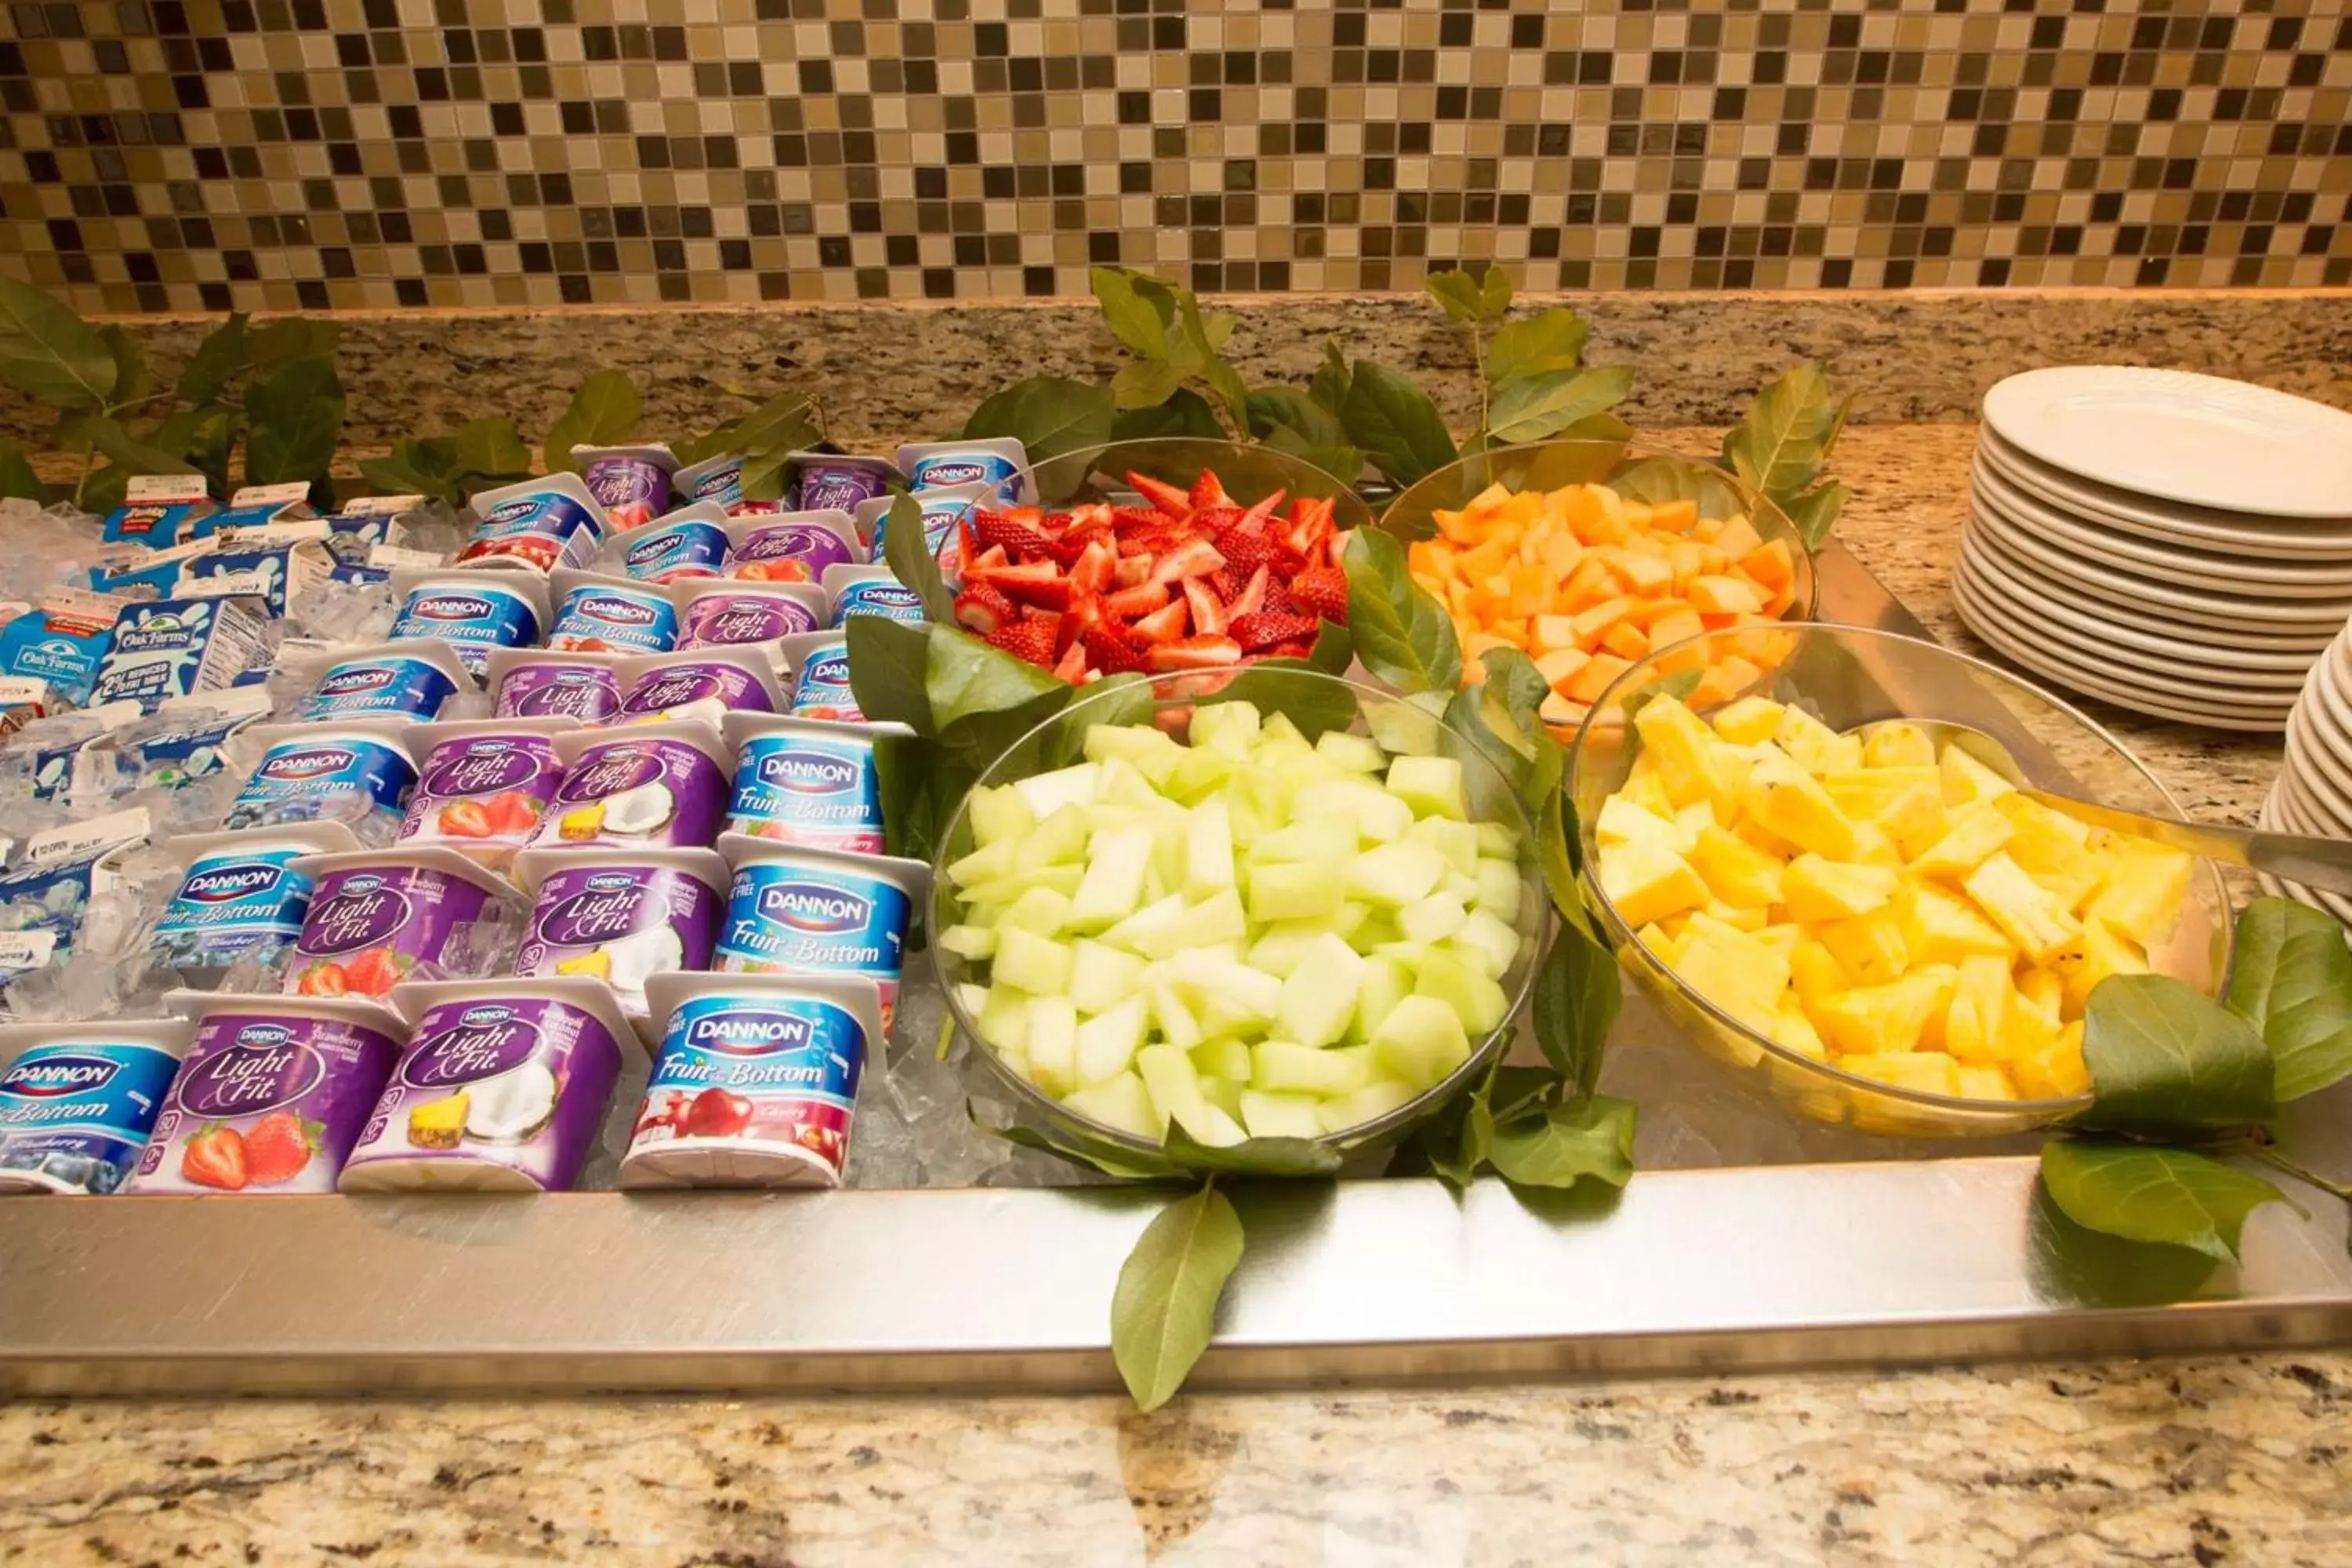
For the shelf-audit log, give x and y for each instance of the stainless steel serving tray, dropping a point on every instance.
(1863, 1262)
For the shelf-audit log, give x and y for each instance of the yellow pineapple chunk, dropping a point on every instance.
(1979, 1010)
(1923, 1072)
(1814, 746)
(1862, 793)
(1735, 870)
(1794, 1031)
(1666, 945)
(1941, 927)
(1814, 971)
(1689, 821)
(1817, 889)
(1872, 1019)
(1913, 820)
(1740, 976)
(1967, 779)
(1897, 746)
(1681, 744)
(1645, 790)
(2056, 1071)
(1872, 848)
(1741, 918)
(2040, 842)
(2096, 953)
(1868, 948)
(1625, 821)
(2146, 886)
(2026, 911)
(1781, 938)
(1985, 1083)
(1750, 721)
(1791, 802)
(1971, 833)
(1648, 882)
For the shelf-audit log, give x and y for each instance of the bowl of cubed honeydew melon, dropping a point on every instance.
(1271, 904)
(1827, 876)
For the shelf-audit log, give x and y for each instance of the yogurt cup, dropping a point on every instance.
(531, 683)
(754, 1080)
(407, 679)
(631, 482)
(870, 591)
(821, 688)
(661, 787)
(272, 1095)
(501, 1087)
(602, 616)
(831, 481)
(240, 897)
(472, 613)
(1001, 463)
(314, 773)
(703, 685)
(677, 547)
(620, 916)
(78, 1101)
(376, 915)
(941, 510)
(796, 911)
(719, 480)
(483, 784)
(792, 547)
(807, 781)
(725, 613)
(536, 525)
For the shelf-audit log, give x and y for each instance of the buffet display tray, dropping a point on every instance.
(1687, 1271)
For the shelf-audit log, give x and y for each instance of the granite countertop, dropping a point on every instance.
(2211, 1461)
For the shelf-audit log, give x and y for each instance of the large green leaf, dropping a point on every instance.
(493, 449)
(603, 412)
(131, 382)
(2291, 977)
(1535, 407)
(908, 553)
(219, 359)
(1786, 433)
(1133, 313)
(1165, 1304)
(1332, 377)
(887, 661)
(1577, 993)
(1454, 290)
(296, 415)
(106, 436)
(1567, 1144)
(1185, 413)
(1539, 345)
(1272, 409)
(51, 353)
(1252, 1156)
(1400, 633)
(16, 476)
(963, 676)
(2165, 1057)
(1146, 383)
(1561, 855)
(1395, 423)
(1814, 514)
(2145, 1193)
(1048, 415)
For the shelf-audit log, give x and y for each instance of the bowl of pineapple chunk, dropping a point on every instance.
(1827, 876)
(1291, 907)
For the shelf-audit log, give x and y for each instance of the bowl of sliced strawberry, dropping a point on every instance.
(1160, 556)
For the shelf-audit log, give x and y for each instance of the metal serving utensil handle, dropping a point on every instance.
(2290, 857)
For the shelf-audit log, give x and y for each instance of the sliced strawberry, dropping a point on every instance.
(1167, 497)
(1289, 650)
(989, 558)
(1193, 653)
(1092, 572)
(1208, 490)
(1259, 632)
(1131, 517)
(1109, 652)
(981, 608)
(1197, 559)
(1250, 599)
(1336, 548)
(1275, 600)
(1208, 610)
(1038, 582)
(1217, 519)
(1321, 591)
(1243, 549)
(1093, 514)
(1023, 538)
(1131, 570)
(1253, 520)
(1161, 626)
(1085, 614)
(1070, 546)
(1071, 666)
(1129, 604)
(1032, 640)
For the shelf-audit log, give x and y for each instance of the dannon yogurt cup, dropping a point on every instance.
(631, 482)
(821, 687)
(704, 685)
(78, 1101)
(754, 1082)
(272, 1095)
(677, 547)
(943, 511)
(392, 680)
(871, 591)
(796, 911)
(727, 613)
(378, 915)
(827, 481)
(531, 683)
(603, 617)
(240, 897)
(807, 781)
(795, 547)
(483, 784)
(537, 525)
(719, 480)
(997, 462)
(658, 786)
(620, 916)
(473, 613)
(501, 1088)
(323, 773)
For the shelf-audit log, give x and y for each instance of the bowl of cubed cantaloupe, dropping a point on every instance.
(1295, 907)
(1592, 556)
(1862, 906)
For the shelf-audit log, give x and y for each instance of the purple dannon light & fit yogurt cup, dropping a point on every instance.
(483, 784)
(833, 481)
(703, 685)
(620, 916)
(502, 1086)
(271, 1095)
(632, 483)
(378, 917)
(728, 614)
(536, 683)
(660, 786)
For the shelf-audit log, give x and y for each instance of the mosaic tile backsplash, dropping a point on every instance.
(203, 155)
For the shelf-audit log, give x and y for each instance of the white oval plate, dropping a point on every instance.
(1997, 566)
(2229, 532)
(2101, 651)
(2069, 673)
(2200, 569)
(2171, 639)
(2179, 437)
(2205, 608)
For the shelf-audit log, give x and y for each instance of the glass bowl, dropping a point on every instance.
(1846, 677)
(1249, 472)
(1315, 702)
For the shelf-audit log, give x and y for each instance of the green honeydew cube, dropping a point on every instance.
(1040, 909)
(1319, 997)
(1394, 875)
(1144, 747)
(1175, 1087)
(1171, 1012)
(1039, 966)
(1498, 838)
(1457, 841)
(1284, 1067)
(1303, 890)
(1046, 794)
(1003, 891)
(1228, 727)
(1228, 1059)
(1112, 887)
(1059, 840)
(1386, 981)
(1430, 786)
(1106, 1043)
(1120, 1101)
(968, 943)
(1101, 976)
(1475, 999)
(1222, 980)
(1281, 1115)
(1491, 943)
(1356, 753)
(1326, 840)
(1379, 816)
(1223, 1094)
(998, 812)
(987, 864)
(1432, 919)
(1198, 776)
(1003, 1021)
(1151, 931)
(1370, 1103)
(1421, 1041)
(1208, 849)
(1214, 921)
(1499, 888)
(1053, 1046)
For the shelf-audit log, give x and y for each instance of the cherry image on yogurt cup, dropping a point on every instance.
(716, 1113)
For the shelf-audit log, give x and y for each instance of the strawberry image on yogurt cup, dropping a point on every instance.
(484, 786)
(632, 483)
(792, 547)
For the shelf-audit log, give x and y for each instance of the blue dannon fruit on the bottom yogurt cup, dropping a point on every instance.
(472, 617)
(608, 618)
(666, 553)
(334, 775)
(379, 684)
(236, 903)
(74, 1115)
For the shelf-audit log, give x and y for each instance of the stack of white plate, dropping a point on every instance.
(2176, 544)
(2314, 792)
